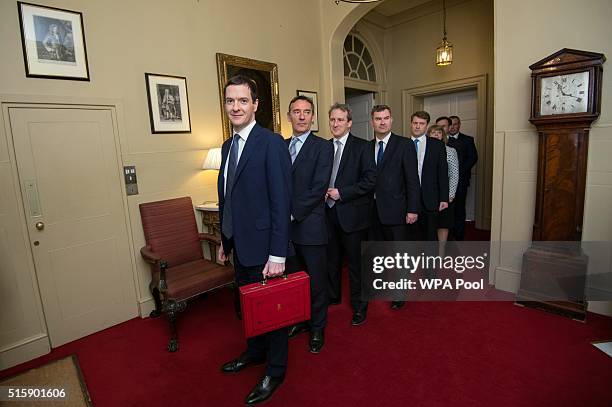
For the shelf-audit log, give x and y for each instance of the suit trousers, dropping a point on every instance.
(313, 258)
(388, 233)
(426, 228)
(273, 345)
(459, 224)
(342, 244)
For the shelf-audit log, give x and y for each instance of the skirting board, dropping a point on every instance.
(509, 280)
(145, 307)
(24, 351)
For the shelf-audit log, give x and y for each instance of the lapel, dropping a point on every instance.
(224, 156)
(248, 150)
(428, 153)
(389, 151)
(303, 151)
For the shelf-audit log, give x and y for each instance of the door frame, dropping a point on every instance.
(413, 100)
(29, 348)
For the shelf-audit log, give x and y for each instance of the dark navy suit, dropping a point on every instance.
(434, 189)
(310, 175)
(348, 220)
(397, 189)
(260, 205)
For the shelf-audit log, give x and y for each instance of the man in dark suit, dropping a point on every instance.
(397, 195)
(254, 206)
(312, 159)
(349, 198)
(433, 174)
(468, 156)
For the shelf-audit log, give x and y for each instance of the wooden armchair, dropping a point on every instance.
(174, 252)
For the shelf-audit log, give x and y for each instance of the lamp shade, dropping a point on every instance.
(444, 53)
(212, 160)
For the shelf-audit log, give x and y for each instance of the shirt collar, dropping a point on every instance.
(244, 133)
(421, 138)
(342, 139)
(302, 137)
(385, 140)
(455, 136)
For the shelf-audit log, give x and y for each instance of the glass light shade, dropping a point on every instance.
(444, 53)
(212, 160)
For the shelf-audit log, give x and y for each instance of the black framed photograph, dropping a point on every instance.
(265, 75)
(53, 42)
(313, 97)
(168, 103)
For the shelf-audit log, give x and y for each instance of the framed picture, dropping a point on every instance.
(168, 103)
(313, 96)
(265, 75)
(53, 42)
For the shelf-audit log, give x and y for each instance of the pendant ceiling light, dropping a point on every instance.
(444, 52)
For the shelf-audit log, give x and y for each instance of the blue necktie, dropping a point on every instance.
(381, 151)
(292, 149)
(227, 228)
(416, 146)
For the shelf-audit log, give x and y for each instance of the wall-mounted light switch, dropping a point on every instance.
(131, 183)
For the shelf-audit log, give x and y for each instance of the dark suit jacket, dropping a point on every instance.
(355, 182)
(310, 174)
(261, 198)
(434, 175)
(468, 156)
(397, 181)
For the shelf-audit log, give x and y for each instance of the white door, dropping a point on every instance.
(362, 106)
(71, 186)
(464, 105)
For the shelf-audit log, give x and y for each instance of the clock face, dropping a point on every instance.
(564, 94)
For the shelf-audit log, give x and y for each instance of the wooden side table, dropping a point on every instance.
(210, 223)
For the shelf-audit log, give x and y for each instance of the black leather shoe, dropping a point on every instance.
(335, 301)
(236, 365)
(263, 390)
(316, 342)
(295, 330)
(359, 318)
(397, 304)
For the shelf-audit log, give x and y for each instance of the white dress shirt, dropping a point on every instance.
(385, 140)
(242, 139)
(422, 146)
(342, 141)
(301, 140)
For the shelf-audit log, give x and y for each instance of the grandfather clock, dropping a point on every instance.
(565, 100)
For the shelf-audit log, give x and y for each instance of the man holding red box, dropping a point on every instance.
(254, 205)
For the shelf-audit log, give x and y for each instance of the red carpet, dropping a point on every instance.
(427, 354)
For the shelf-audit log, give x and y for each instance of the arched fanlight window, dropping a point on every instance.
(358, 63)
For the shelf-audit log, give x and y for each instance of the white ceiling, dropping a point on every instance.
(389, 8)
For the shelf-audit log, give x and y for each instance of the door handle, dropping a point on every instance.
(40, 225)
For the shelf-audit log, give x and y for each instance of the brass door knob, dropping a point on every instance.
(40, 225)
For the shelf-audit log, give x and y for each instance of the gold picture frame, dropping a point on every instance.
(265, 74)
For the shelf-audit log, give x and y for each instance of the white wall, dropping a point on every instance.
(525, 32)
(124, 40)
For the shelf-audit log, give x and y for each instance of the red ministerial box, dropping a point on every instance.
(280, 302)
